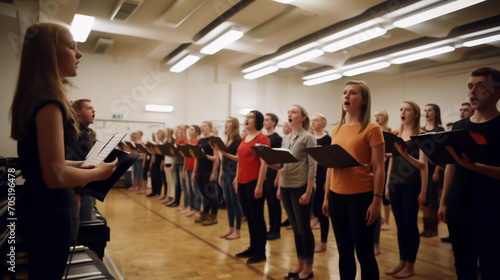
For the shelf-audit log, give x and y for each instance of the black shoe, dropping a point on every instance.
(285, 223)
(151, 195)
(446, 239)
(310, 276)
(245, 254)
(172, 204)
(273, 236)
(256, 259)
(291, 275)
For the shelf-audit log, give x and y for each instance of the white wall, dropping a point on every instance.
(124, 83)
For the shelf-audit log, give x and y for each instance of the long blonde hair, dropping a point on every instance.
(365, 108)
(235, 130)
(38, 77)
(416, 126)
(384, 126)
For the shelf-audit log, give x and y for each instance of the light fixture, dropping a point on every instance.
(284, 1)
(256, 66)
(81, 27)
(365, 69)
(222, 41)
(447, 8)
(159, 108)
(300, 58)
(355, 39)
(295, 51)
(261, 72)
(481, 41)
(184, 63)
(421, 55)
(319, 74)
(323, 79)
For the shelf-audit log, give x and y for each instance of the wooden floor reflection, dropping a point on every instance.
(151, 241)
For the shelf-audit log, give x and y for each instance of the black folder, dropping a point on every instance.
(390, 139)
(184, 150)
(197, 150)
(99, 189)
(274, 155)
(142, 149)
(168, 149)
(433, 144)
(217, 141)
(187, 149)
(333, 156)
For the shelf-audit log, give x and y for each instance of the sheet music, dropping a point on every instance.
(101, 150)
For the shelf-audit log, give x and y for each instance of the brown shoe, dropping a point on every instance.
(211, 220)
(202, 218)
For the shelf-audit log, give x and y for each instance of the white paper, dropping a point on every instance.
(101, 150)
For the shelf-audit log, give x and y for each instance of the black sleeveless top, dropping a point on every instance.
(38, 196)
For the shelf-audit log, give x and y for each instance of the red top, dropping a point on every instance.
(190, 160)
(248, 160)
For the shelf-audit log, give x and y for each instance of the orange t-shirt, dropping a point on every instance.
(359, 179)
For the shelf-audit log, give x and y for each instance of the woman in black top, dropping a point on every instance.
(46, 129)
(206, 168)
(435, 178)
(226, 177)
(318, 124)
(407, 190)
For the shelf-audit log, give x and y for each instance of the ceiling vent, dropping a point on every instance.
(102, 45)
(125, 9)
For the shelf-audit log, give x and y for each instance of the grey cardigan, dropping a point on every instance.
(296, 174)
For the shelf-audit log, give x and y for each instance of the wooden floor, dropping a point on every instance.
(151, 241)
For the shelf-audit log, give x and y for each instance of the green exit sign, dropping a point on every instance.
(117, 116)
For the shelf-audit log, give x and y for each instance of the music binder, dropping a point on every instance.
(333, 156)
(142, 149)
(102, 149)
(168, 149)
(390, 139)
(217, 141)
(433, 144)
(99, 189)
(184, 150)
(274, 155)
(197, 150)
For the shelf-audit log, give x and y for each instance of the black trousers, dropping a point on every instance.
(210, 192)
(253, 208)
(348, 215)
(273, 204)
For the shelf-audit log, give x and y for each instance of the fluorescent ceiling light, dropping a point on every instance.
(481, 41)
(366, 69)
(355, 39)
(447, 8)
(284, 1)
(319, 74)
(351, 30)
(184, 63)
(261, 72)
(321, 80)
(223, 41)
(295, 51)
(300, 58)
(159, 108)
(81, 27)
(422, 55)
(256, 66)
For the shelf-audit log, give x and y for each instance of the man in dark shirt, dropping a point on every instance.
(274, 205)
(85, 114)
(471, 189)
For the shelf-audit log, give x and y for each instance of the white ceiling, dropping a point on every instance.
(268, 26)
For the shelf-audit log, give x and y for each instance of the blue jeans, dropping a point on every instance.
(404, 203)
(299, 216)
(232, 202)
(194, 193)
(180, 184)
